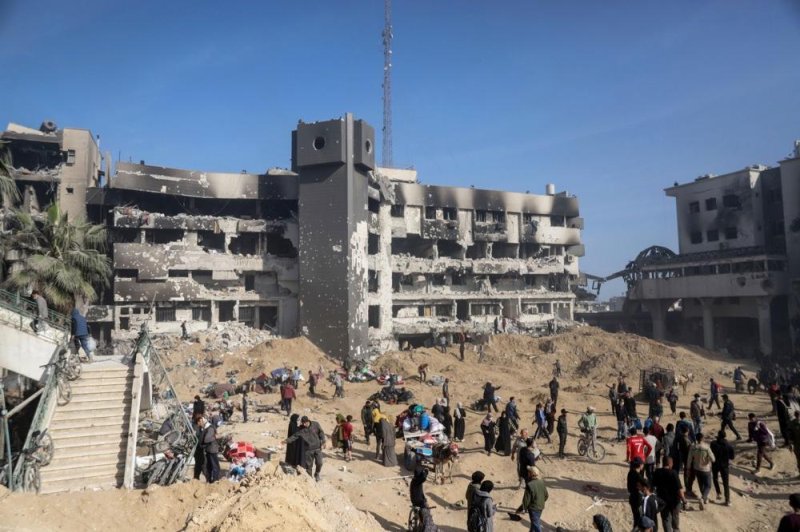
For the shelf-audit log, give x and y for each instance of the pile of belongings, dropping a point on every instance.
(239, 451)
(244, 468)
(417, 419)
(391, 378)
(391, 395)
(222, 390)
(264, 384)
(281, 374)
(361, 373)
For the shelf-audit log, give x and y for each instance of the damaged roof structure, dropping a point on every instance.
(354, 256)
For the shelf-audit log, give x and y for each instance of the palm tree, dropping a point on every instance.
(8, 188)
(64, 261)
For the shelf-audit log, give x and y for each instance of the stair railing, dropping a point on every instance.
(24, 311)
(44, 412)
(161, 403)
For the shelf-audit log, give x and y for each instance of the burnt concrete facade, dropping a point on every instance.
(357, 258)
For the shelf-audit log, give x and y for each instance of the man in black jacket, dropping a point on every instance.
(489, 396)
(634, 479)
(314, 437)
(667, 485)
(210, 450)
(650, 507)
(723, 454)
(728, 415)
(561, 429)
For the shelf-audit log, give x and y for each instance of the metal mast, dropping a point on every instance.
(387, 84)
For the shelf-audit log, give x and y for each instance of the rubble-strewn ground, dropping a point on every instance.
(522, 366)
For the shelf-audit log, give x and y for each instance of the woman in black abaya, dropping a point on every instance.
(295, 451)
(503, 443)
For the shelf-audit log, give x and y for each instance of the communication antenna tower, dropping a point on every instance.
(387, 84)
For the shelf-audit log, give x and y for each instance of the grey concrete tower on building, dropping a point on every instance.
(332, 159)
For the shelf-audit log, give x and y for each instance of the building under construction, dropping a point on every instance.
(349, 254)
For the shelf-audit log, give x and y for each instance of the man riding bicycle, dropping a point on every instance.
(588, 425)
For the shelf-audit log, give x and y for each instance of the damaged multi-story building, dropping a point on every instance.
(737, 274)
(349, 254)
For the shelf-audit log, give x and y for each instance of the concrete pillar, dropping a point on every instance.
(764, 325)
(708, 322)
(657, 308)
(214, 313)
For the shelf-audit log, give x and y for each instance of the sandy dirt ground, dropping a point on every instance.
(591, 360)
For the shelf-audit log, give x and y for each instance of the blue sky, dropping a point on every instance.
(612, 101)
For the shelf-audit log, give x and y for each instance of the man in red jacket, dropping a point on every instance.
(287, 394)
(637, 447)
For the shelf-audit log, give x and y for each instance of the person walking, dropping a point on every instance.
(210, 450)
(723, 455)
(366, 420)
(488, 429)
(667, 485)
(764, 438)
(713, 393)
(622, 420)
(697, 413)
(503, 443)
(651, 506)
(794, 437)
(388, 454)
(636, 446)
(561, 429)
(199, 452)
(184, 331)
(313, 380)
(672, 399)
(782, 412)
(738, 379)
(554, 387)
(446, 391)
(728, 415)
(314, 438)
(612, 397)
(80, 333)
(700, 460)
(650, 458)
(287, 396)
(40, 321)
(483, 508)
(338, 384)
(474, 485)
(489, 397)
(198, 407)
(541, 423)
(459, 422)
(295, 451)
(346, 437)
(462, 339)
(534, 499)
(633, 481)
(513, 415)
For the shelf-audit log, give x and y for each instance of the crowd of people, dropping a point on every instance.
(664, 460)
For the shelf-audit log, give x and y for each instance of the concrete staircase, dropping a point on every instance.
(90, 434)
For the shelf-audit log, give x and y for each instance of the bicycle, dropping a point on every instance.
(70, 364)
(64, 387)
(594, 452)
(39, 454)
